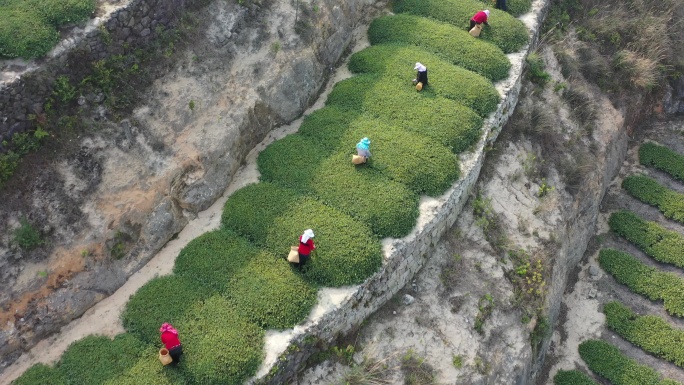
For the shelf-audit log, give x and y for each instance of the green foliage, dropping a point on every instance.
(416, 370)
(291, 161)
(21, 144)
(572, 377)
(270, 294)
(251, 210)
(326, 127)
(424, 166)
(486, 307)
(213, 258)
(346, 251)
(662, 158)
(651, 333)
(607, 361)
(163, 299)
(443, 120)
(645, 280)
(504, 31)
(28, 29)
(395, 63)
(535, 68)
(387, 207)
(148, 371)
(647, 190)
(656, 241)
(26, 236)
(64, 91)
(41, 374)
(219, 345)
(95, 359)
(452, 44)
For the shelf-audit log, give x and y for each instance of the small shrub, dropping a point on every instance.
(219, 345)
(572, 377)
(656, 241)
(663, 159)
(26, 236)
(645, 280)
(535, 68)
(416, 370)
(453, 44)
(651, 333)
(504, 31)
(486, 307)
(64, 91)
(41, 374)
(163, 299)
(95, 359)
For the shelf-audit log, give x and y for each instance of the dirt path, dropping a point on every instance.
(104, 317)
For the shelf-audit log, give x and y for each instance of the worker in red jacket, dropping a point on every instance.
(169, 336)
(306, 246)
(479, 18)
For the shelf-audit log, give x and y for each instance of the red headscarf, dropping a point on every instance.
(166, 327)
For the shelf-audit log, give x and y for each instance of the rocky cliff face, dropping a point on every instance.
(109, 200)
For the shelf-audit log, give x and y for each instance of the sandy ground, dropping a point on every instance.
(104, 318)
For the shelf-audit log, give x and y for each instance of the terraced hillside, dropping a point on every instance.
(231, 285)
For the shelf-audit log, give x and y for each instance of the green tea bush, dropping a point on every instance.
(24, 35)
(641, 279)
(423, 165)
(327, 126)
(395, 63)
(651, 333)
(251, 210)
(270, 294)
(346, 251)
(148, 371)
(290, 161)
(572, 377)
(647, 190)
(447, 122)
(387, 207)
(60, 12)
(163, 299)
(41, 374)
(28, 28)
(607, 361)
(656, 241)
(504, 31)
(453, 44)
(213, 258)
(95, 359)
(219, 345)
(515, 7)
(662, 158)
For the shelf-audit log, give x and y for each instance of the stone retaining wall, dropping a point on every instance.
(135, 25)
(404, 257)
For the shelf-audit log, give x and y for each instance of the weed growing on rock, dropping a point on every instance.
(535, 70)
(486, 307)
(415, 370)
(528, 280)
(482, 367)
(457, 361)
(26, 236)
